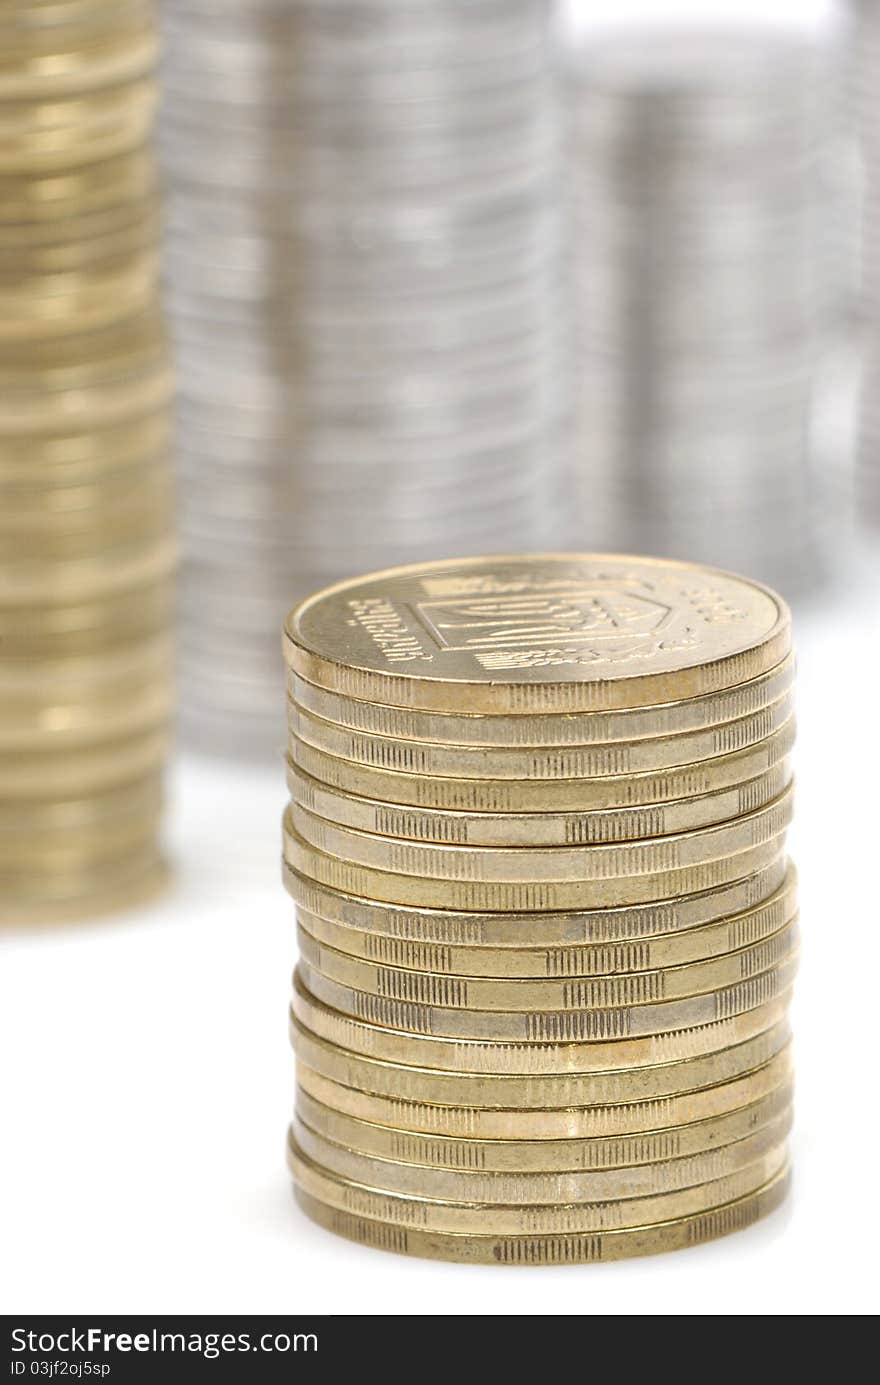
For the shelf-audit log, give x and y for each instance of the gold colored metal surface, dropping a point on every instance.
(43, 775)
(86, 456)
(556, 1248)
(536, 1188)
(80, 722)
(547, 929)
(659, 917)
(47, 74)
(394, 887)
(85, 484)
(554, 633)
(40, 637)
(469, 1153)
(56, 200)
(563, 1219)
(614, 759)
(451, 991)
(532, 1073)
(24, 821)
(554, 795)
(636, 1120)
(88, 895)
(597, 959)
(536, 865)
(586, 728)
(540, 1026)
(108, 571)
(535, 829)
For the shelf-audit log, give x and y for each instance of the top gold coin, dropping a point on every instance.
(559, 632)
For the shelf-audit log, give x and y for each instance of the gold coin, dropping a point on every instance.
(84, 458)
(537, 1188)
(642, 1118)
(54, 632)
(472, 1067)
(535, 1124)
(40, 301)
(51, 495)
(44, 775)
(57, 198)
(468, 1154)
(131, 527)
(38, 865)
(536, 634)
(492, 1219)
(86, 720)
(653, 856)
(81, 579)
(32, 21)
(636, 923)
(553, 795)
(79, 68)
(536, 829)
(436, 822)
(38, 138)
(94, 407)
(28, 16)
(29, 690)
(614, 759)
(93, 300)
(66, 635)
(59, 364)
(568, 993)
(131, 524)
(36, 683)
(28, 820)
(66, 242)
(393, 887)
(54, 512)
(554, 1249)
(541, 1026)
(54, 266)
(78, 874)
(586, 728)
(597, 959)
(131, 883)
(50, 853)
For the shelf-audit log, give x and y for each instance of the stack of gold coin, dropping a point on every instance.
(85, 503)
(546, 923)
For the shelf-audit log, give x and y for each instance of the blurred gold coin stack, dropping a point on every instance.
(85, 504)
(547, 927)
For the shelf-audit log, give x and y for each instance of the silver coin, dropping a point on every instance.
(700, 293)
(368, 305)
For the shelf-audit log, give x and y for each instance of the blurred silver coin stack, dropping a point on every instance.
(865, 71)
(364, 263)
(701, 297)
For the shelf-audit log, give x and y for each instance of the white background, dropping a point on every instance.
(147, 1082)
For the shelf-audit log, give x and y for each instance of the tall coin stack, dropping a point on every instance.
(365, 293)
(85, 581)
(703, 297)
(547, 926)
(865, 49)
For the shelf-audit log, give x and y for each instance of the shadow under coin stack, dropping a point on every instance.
(85, 503)
(547, 926)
